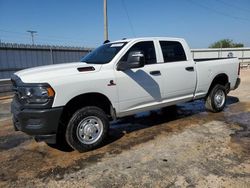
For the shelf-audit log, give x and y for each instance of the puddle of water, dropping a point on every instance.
(9, 142)
(242, 136)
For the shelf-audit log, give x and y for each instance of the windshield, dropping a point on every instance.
(103, 54)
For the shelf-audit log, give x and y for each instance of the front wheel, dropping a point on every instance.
(87, 129)
(216, 99)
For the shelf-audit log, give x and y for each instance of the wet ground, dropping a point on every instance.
(182, 146)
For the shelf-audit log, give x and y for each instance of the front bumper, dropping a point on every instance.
(39, 123)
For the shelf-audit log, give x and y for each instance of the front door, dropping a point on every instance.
(140, 88)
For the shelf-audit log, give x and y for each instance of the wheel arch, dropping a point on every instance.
(221, 79)
(90, 99)
(80, 101)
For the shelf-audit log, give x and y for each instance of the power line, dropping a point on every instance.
(130, 23)
(219, 12)
(40, 36)
(234, 6)
(13, 32)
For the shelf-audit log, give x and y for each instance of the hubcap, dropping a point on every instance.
(219, 98)
(89, 130)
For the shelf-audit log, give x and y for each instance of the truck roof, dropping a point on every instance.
(148, 38)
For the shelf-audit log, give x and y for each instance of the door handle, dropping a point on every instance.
(189, 68)
(157, 72)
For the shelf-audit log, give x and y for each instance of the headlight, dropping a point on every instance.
(35, 95)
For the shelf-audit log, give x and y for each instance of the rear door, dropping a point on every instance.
(178, 72)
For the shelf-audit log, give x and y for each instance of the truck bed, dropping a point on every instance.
(212, 67)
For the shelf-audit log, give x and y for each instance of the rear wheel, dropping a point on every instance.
(87, 129)
(216, 99)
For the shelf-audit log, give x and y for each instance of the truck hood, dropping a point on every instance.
(48, 72)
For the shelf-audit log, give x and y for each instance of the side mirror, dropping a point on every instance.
(135, 59)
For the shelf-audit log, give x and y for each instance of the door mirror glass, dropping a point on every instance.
(135, 59)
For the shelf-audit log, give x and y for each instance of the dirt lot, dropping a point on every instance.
(174, 147)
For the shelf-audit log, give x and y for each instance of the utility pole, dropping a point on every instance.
(32, 34)
(105, 20)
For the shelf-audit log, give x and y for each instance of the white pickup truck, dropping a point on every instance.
(73, 103)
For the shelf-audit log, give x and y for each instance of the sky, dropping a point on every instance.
(80, 22)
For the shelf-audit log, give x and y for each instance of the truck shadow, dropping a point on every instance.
(145, 120)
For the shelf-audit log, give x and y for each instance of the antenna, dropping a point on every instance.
(32, 34)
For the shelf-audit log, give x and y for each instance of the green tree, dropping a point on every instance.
(226, 43)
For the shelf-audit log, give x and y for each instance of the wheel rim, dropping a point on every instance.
(219, 98)
(89, 130)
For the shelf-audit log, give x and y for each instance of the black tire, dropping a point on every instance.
(212, 103)
(87, 129)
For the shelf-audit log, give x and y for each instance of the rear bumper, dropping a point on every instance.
(237, 83)
(39, 123)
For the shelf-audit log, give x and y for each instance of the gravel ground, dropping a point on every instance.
(182, 146)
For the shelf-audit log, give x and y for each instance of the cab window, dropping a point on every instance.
(172, 51)
(147, 48)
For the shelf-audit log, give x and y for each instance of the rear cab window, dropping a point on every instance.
(172, 51)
